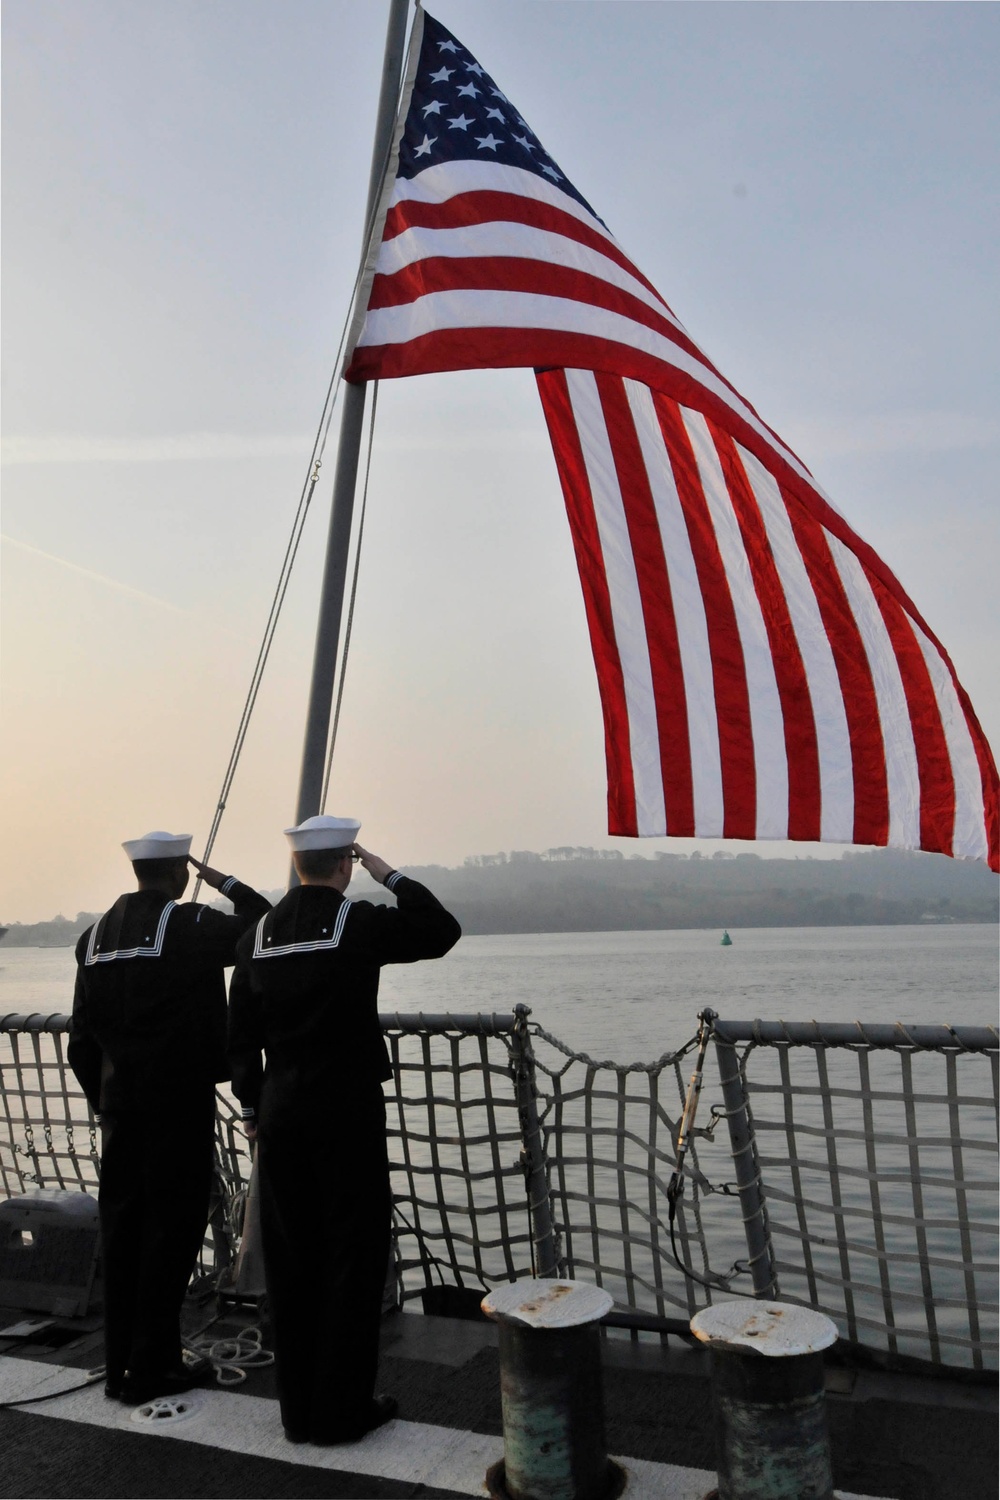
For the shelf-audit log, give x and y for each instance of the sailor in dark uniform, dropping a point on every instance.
(147, 1043)
(305, 991)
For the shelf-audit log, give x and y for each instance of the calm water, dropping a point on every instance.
(635, 995)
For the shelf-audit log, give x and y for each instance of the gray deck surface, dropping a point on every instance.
(910, 1438)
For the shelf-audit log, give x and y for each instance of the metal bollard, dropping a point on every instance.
(553, 1405)
(767, 1388)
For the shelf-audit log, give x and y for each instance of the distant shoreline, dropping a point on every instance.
(589, 890)
(471, 930)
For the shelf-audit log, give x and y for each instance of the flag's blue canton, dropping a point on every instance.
(458, 113)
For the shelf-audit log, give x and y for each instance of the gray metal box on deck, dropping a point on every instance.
(49, 1245)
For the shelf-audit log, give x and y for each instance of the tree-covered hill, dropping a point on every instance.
(589, 890)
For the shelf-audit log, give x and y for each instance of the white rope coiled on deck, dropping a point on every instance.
(232, 1357)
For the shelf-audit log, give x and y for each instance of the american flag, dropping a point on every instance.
(763, 674)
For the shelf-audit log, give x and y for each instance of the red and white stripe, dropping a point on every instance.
(763, 675)
(481, 265)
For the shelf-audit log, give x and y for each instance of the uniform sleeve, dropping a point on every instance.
(418, 927)
(84, 1051)
(245, 1040)
(219, 933)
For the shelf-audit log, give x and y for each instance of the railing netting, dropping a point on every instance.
(877, 1158)
(852, 1169)
(610, 1143)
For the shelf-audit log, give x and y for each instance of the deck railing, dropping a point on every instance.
(867, 1158)
(855, 1170)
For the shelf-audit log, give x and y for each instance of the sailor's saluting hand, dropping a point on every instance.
(376, 867)
(211, 877)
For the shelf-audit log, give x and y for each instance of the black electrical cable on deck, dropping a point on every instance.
(51, 1395)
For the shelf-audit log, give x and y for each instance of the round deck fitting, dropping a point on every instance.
(162, 1411)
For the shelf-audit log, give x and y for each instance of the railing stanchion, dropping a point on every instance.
(744, 1149)
(543, 1238)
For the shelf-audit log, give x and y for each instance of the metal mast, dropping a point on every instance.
(345, 474)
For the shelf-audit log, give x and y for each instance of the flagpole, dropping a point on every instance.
(346, 472)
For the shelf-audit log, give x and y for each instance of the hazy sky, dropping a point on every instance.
(811, 186)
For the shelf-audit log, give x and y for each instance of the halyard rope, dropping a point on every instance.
(350, 607)
(295, 537)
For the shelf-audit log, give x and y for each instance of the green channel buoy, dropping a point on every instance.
(727, 941)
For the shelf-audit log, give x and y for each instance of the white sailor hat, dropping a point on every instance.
(159, 845)
(323, 832)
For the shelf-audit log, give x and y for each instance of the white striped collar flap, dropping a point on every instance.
(152, 947)
(263, 947)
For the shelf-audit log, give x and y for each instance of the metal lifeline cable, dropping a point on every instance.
(277, 601)
(350, 607)
(295, 537)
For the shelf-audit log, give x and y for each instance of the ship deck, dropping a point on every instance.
(901, 1436)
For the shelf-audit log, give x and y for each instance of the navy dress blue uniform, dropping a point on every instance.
(305, 992)
(147, 1043)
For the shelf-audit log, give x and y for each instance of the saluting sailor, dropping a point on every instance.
(147, 1043)
(305, 991)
